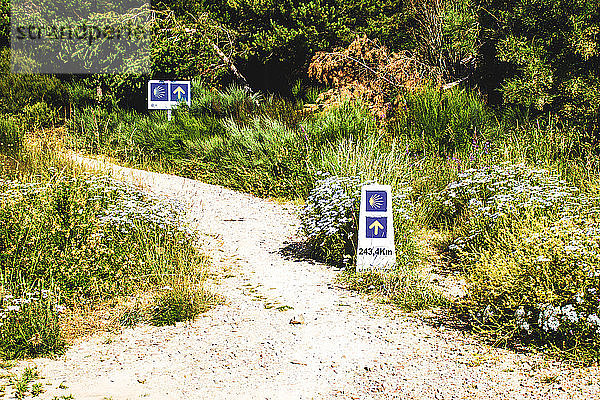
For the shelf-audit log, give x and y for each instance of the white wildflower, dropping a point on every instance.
(593, 319)
(570, 313)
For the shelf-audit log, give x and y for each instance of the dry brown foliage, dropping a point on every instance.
(369, 72)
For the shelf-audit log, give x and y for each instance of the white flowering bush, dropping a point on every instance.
(541, 282)
(482, 199)
(329, 218)
(88, 233)
(531, 252)
(126, 207)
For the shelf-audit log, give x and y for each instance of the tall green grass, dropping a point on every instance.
(263, 157)
(442, 121)
(348, 120)
(234, 102)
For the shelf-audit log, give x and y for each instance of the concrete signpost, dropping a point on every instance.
(165, 95)
(376, 250)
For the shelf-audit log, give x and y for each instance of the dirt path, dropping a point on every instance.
(347, 347)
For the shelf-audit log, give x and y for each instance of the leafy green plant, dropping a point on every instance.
(544, 58)
(21, 384)
(81, 93)
(37, 389)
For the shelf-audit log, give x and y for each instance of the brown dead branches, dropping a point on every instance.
(369, 72)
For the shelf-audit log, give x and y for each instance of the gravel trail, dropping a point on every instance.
(347, 346)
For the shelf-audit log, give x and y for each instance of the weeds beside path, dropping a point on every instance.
(343, 345)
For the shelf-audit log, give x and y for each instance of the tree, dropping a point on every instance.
(544, 56)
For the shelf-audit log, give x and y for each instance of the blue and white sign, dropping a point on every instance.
(166, 95)
(159, 91)
(180, 91)
(376, 227)
(376, 250)
(376, 200)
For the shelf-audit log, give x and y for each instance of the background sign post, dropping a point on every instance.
(166, 95)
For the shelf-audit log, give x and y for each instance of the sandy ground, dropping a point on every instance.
(347, 346)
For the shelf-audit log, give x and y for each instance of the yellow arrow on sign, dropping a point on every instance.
(179, 92)
(376, 226)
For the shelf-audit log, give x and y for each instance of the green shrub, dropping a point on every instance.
(528, 242)
(541, 285)
(81, 94)
(90, 128)
(39, 115)
(19, 90)
(549, 140)
(482, 198)
(371, 158)
(90, 238)
(263, 157)
(544, 138)
(305, 94)
(234, 102)
(282, 110)
(544, 57)
(349, 120)
(11, 136)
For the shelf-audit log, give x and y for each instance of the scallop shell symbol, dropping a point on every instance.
(375, 201)
(159, 92)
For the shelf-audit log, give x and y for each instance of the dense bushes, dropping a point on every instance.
(544, 57)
